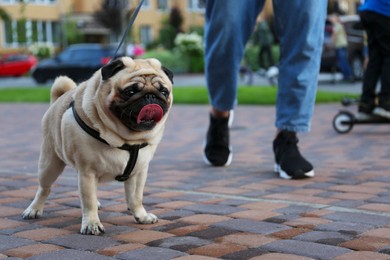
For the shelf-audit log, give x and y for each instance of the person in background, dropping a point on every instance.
(265, 39)
(339, 40)
(299, 25)
(375, 17)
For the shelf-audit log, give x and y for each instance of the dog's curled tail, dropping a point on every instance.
(61, 85)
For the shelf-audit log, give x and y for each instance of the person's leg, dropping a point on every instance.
(372, 73)
(229, 24)
(300, 26)
(270, 57)
(262, 57)
(382, 36)
(343, 63)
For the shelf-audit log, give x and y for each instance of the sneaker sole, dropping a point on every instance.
(228, 162)
(381, 112)
(284, 175)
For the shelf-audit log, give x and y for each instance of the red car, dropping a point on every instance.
(16, 65)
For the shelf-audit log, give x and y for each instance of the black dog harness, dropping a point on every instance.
(132, 149)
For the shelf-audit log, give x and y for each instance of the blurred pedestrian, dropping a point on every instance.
(375, 17)
(265, 40)
(340, 42)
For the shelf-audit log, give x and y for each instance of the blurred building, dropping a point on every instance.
(58, 22)
(47, 21)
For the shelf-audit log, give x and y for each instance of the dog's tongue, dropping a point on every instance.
(150, 112)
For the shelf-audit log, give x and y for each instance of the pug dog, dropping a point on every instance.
(107, 128)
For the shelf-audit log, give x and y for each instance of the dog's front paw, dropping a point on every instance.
(31, 213)
(92, 228)
(148, 218)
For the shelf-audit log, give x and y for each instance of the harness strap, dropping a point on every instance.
(132, 149)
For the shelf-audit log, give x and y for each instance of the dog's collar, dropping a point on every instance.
(132, 149)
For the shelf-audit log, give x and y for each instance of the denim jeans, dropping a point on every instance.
(300, 28)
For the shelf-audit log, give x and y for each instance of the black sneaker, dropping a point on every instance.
(290, 164)
(217, 151)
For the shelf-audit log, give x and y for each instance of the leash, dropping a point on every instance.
(132, 149)
(132, 19)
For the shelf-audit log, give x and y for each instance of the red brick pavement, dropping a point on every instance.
(243, 211)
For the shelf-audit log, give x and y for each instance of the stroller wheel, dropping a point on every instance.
(343, 122)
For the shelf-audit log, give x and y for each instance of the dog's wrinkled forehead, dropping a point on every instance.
(137, 67)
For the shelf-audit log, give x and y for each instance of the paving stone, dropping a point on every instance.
(183, 243)
(115, 230)
(308, 249)
(350, 228)
(212, 209)
(19, 229)
(42, 233)
(68, 254)
(8, 242)
(362, 255)
(142, 236)
(249, 240)
(32, 250)
(176, 214)
(216, 249)
(329, 238)
(280, 256)
(204, 219)
(370, 219)
(348, 203)
(213, 232)
(245, 254)
(385, 250)
(116, 250)
(251, 226)
(151, 253)
(83, 242)
(380, 199)
(294, 210)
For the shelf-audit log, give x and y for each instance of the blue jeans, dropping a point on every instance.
(300, 27)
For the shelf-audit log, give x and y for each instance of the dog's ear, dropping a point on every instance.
(112, 68)
(168, 72)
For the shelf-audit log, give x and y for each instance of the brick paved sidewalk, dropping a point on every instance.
(240, 212)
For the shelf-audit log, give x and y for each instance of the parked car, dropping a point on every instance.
(16, 65)
(355, 36)
(78, 62)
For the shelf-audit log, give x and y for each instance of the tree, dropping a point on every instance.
(176, 19)
(4, 15)
(112, 15)
(171, 27)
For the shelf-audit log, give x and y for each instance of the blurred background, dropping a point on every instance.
(46, 38)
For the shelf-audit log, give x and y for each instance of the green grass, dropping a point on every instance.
(182, 95)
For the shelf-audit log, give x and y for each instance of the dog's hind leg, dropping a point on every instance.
(50, 167)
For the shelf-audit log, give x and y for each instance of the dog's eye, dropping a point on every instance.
(130, 91)
(164, 91)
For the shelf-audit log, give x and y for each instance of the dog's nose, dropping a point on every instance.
(150, 98)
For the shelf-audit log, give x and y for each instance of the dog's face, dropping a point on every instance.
(141, 92)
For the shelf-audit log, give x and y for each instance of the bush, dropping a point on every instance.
(191, 47)
(42, 50)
